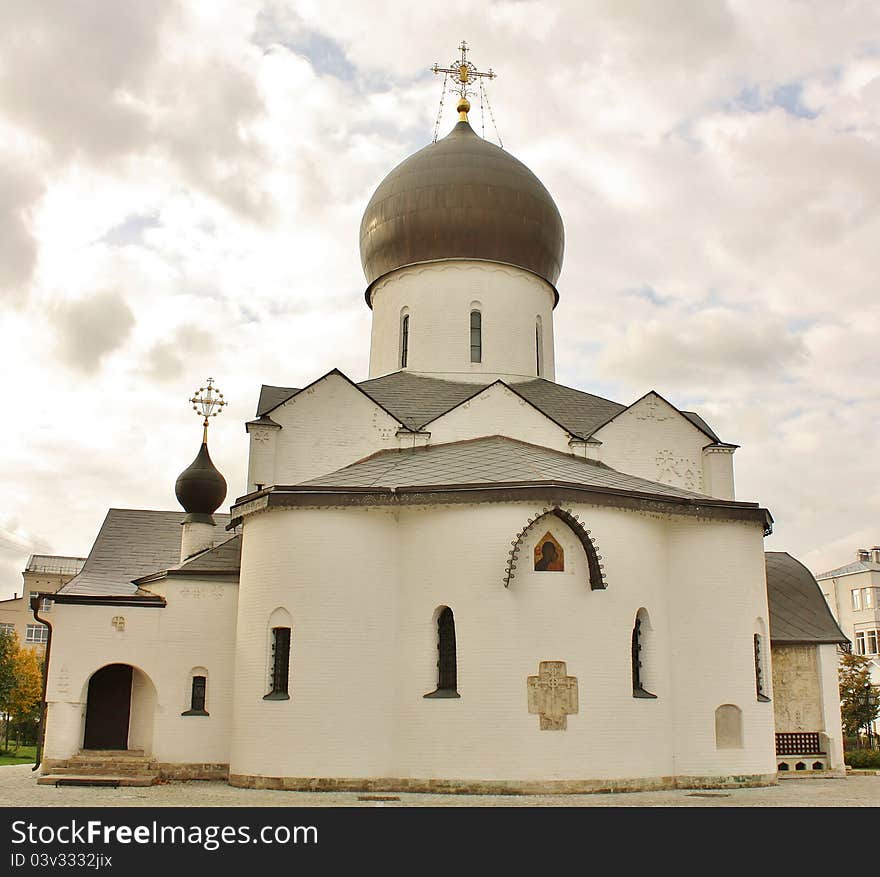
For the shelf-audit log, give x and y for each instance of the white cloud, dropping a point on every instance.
(183, 184)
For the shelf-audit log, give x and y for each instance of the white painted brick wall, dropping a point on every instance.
(195, 629)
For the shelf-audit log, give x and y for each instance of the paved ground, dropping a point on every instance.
(18, 788)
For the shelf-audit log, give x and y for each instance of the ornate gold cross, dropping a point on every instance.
(464, 73)
(207, 402)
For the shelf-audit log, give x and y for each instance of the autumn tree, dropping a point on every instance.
(859, 699)
(25, 697)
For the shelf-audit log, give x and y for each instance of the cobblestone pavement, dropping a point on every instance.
(18, 788)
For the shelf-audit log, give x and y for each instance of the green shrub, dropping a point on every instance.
(869, 758)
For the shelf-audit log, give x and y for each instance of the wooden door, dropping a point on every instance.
(108, 708)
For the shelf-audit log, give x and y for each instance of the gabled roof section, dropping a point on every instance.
(415, 400)
(222, 559)
(333, 372)
(850, 569)
(131, 544)
(496, 460)
(271, 397)
(578, 412)
(692, 418)
(798, 611)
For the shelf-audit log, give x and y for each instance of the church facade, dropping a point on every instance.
(456, 574)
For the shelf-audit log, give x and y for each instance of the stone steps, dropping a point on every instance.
(103, 767)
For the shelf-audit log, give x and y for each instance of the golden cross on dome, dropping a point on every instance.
(464, 73)
(207, 402)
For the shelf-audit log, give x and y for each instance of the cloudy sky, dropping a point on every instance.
(181, 185)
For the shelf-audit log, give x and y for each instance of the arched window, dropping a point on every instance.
(639, 670)
(539, 348)
(476, 336)
(197, 692)
(279, 671)
(404, 340)
(447, 667)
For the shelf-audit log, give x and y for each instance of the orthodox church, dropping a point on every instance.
(455, 575)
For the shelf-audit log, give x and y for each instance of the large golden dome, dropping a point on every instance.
(461, 198)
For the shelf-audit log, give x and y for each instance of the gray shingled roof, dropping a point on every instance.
(798, 611)
(850, 568)
(492, 460)
(133, 543)
(55, 563)
(270, 397)
(416, 400)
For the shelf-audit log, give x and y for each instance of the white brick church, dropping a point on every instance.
(457, 574)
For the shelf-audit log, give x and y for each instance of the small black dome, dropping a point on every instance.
(200, 488)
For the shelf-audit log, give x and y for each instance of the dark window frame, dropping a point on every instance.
(198, 697)
(280, 671)
(476, 333)
(447, 658)
(404, 340)
(639, 689)
(759, 669)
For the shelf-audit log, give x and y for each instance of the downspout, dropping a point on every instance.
(44, 706)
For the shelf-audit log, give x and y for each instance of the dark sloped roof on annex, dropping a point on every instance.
(131, 544)
(798, 611)
(495, 460)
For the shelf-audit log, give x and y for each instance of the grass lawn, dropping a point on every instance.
(25, 755)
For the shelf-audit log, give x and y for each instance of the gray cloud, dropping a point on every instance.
(19, 190)
(167, 360)
(89, 329)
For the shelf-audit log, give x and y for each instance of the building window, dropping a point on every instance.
(36, 633)
(639, 689)
(280, 666)
(759, 669)
(539, 349)
(7, 628)
(476, 336)
(857, 598)
(404, 341)
(45, 602)
(198, 694)
(868, 598)
(447, 667)
(867, 642)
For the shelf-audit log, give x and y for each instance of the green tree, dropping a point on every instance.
(856, 710)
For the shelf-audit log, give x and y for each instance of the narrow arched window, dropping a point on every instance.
(404, 340)
(447, 667)
(476, 336)
(638, 669)
(280, 665)
(197, 696)
(198, 693)
(539, 349)
(759, 669)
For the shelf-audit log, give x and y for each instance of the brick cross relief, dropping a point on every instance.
(553, 695)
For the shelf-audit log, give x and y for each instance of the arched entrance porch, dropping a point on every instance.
(120, 705)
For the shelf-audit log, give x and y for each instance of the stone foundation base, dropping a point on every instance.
(498, 787)
(195, 771)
